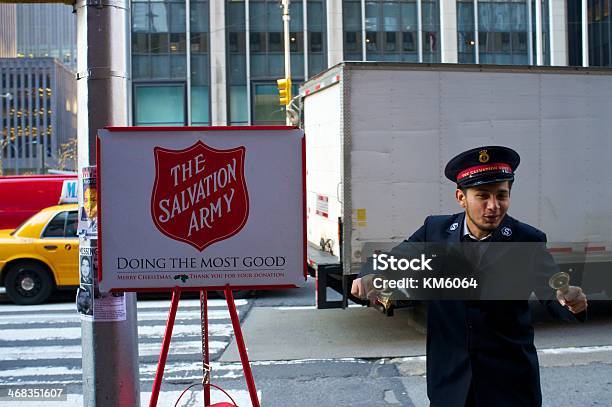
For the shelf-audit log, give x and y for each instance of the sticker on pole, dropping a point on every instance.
(202, 208)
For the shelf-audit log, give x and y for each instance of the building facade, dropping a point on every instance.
(38, 111)
(8, 31)
(38, 31)
(204, 62)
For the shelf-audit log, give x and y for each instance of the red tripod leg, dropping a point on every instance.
(161, 364)
(205, 351)
(244, 357)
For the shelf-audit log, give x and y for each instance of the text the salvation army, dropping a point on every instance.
(194, 195)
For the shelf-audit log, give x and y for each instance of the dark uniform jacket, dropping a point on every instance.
(481, 353)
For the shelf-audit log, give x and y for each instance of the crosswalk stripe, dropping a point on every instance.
(58, 318)
(166, 398)
(72, 374)
(146, 331)
(70, 306)
(72, 351)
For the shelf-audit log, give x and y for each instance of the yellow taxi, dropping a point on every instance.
(40, 255)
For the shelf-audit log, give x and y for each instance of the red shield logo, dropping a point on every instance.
(200, 195)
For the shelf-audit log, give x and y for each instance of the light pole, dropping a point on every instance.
(7, 96)
(286, 19)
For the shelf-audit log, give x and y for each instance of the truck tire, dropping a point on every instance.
(28, 283)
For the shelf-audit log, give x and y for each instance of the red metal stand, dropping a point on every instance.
(206, 353)
(163, 356)
(244, 358)
(161, 364)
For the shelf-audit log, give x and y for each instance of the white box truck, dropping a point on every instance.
(379, 135)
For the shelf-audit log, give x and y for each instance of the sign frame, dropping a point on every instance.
(142, 129)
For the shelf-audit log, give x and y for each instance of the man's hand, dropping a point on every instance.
(357, 289)
(573, 298)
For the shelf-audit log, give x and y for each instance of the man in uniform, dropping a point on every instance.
(481, 353)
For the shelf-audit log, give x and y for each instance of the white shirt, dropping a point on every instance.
(466, 231)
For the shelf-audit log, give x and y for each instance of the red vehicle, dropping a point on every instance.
(22, 196)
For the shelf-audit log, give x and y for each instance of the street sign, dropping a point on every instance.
(201, 208)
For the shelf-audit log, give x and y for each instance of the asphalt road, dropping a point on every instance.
(301, 356)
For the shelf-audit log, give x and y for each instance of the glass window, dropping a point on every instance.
(257, 42)
(140, 43)
(390, 41)
(274, 17)
(275, 42)
(316, 64)
(235, 16)
(140, 17)
(257, 16)
(465, 16)
(198, 17)
(199, 42)
(177, 43)
(351, 15)
(391, 16)
(177, 18)
(71, 224)
(237, 74)
(315, 41)
(316, 16)
(352, 41)
(371, 41)
(159, 105)
(200, 112)
(159, 17)
(297, 66)
(409, 16)
(266, 109)
(276, 67)
(199, 70)
(160, 66)
(372, 15)
(238, 105)
(55, 228)
(502, 32)
(296, 42)
(159, 43)
(178, 66)
(297, 18)
(408, 41)
(141, 66)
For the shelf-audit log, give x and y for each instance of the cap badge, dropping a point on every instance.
(506, 231)
(454, 226)
(483, 156)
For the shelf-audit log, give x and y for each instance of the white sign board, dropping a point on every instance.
(201, 208)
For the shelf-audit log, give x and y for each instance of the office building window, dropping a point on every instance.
(503, 32)
(200, 63)
(391, 30)
(158, 104)
(237, 101)
(599, 30)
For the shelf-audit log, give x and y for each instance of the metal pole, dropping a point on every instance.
(420, 29)
(286, 19)
(529, 32)
(110, 348)
(364, 54)
(188, 58)
(538, 18)
(476, 35)
(585, 34)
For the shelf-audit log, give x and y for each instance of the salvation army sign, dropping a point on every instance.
(200, 208)
(200, 195)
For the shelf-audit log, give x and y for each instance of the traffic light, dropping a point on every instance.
(284, 91)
